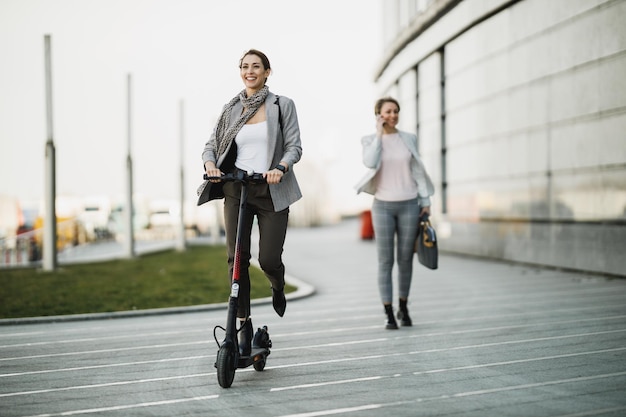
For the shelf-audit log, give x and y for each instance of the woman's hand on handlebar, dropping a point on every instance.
(213, 171)
(273, 176)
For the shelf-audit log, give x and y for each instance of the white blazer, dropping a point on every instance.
(372, 148)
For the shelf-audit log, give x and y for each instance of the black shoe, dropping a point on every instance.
(391, 321)
(391, 325)
(245, 338)
(404, 318)
(279, 301)
(403, 314)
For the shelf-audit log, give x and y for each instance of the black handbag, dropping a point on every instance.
(426, 244)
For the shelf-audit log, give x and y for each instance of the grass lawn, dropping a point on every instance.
(198, 275)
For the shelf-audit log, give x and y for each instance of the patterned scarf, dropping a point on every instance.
(224, 135)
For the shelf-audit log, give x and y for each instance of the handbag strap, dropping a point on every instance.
(280, 116)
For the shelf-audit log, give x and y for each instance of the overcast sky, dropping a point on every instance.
(323, 55)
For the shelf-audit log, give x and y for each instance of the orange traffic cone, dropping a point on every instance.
(367, 229)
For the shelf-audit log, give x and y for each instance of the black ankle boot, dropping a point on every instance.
(403, 314)
(391, 321)
(279, 301)
(245, 338)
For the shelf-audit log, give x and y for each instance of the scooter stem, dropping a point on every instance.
(233, 302)
(240, 220)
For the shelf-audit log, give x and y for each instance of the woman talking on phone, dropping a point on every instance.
(402, 188)
(258, 132)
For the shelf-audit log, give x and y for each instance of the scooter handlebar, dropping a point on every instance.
(254, 178)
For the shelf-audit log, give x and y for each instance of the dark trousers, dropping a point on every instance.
(272, 231)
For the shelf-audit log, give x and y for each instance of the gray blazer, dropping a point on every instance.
(372, 148)
(284, 145)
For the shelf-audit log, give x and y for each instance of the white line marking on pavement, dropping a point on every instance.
(418, 352)
(22, 334)
(538, 384)
(202, 321)
(498, 328)
(460, 368)
(291, 348)
(88, 352)
(334, 344)
(336, 411)
(308, 321)
(513, 342)
(101, 338)
(90, 326)
(129, 406)
(481, 329)
(322, 384)
(361, 358)
(108, 384)
(108, 365)
(594, 412)
(464, 319)
(457, 395)
(331, 361)
(484, 329)
(513, 362)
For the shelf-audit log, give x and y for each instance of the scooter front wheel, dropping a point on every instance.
(225, 364)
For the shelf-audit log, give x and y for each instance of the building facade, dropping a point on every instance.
(520, 111)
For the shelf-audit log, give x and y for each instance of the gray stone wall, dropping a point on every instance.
(521, 114)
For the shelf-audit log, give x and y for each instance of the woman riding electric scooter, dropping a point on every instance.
(257, 132)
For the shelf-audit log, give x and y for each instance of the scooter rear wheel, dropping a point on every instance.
(225, 365)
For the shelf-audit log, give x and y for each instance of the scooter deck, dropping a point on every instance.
(256, 355)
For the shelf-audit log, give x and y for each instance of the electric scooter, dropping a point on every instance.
(228, 357)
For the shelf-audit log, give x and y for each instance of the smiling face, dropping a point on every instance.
(390, 114)
(253, 73)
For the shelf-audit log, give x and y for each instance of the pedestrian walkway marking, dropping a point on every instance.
(419, 352)
(539, 384)
(339, 330)
(89, 352)
(128, 406)
(337, 411)
(319, 363)
(594, 412)
(513, 342)
(543, 358)
(460, 368)
(107, 384)
(335, 344)
(322, 384)
(103, 338)
(108, 365)
(506, 342)
(457, 395)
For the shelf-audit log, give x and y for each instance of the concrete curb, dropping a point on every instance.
(304, 290)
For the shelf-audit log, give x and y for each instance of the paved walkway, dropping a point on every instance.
(489, 339)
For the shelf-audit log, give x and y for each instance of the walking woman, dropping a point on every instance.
(402, 188)
(258, 132)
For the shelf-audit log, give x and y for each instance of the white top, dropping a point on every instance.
(394, 181)
(252, 145)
